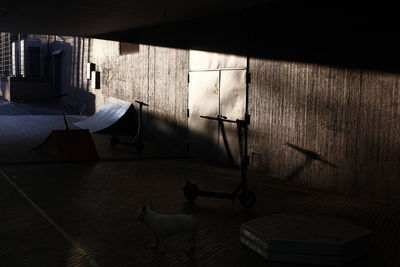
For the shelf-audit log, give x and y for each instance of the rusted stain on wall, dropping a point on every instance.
(349, 117)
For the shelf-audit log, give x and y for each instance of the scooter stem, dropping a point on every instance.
(139, 133)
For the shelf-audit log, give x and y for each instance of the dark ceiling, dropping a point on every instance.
(90, 17)
(326, 32)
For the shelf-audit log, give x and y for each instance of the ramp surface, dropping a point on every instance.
(113, 111)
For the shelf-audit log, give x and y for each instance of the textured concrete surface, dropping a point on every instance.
(95, 205)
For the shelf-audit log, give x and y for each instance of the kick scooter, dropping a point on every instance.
(246, 197)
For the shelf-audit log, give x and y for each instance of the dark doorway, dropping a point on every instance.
(56, 71)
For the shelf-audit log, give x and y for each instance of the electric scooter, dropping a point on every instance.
(137, 141)
(246, 197)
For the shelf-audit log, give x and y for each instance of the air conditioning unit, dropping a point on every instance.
(26, 58)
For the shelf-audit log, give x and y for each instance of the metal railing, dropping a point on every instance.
(5, 54)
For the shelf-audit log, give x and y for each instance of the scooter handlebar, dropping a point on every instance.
(218, 118)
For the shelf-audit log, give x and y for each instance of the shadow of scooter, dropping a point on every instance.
(310, 157)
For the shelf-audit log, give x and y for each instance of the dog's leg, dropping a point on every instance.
(191, 239)
(155, 244)
(160, 244)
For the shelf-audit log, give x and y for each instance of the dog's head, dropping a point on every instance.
(142, 212)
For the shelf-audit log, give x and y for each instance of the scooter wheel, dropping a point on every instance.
(114, 140)
(191, 191)
(247, 199)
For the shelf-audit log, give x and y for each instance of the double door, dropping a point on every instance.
(213, 93)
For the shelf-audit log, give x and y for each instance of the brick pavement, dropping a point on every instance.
(95, 204)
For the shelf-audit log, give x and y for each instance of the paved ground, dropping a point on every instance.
(7, 108)
(94, 204)
(14, 108)
(82, 214)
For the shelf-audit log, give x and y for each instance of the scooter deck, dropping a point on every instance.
(217, 194)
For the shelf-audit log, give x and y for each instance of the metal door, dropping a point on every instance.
(203, 101)
(217, 87)
(233, 107)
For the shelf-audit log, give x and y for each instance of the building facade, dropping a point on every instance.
(348, 117)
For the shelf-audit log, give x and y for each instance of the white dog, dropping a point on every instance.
(164, 226)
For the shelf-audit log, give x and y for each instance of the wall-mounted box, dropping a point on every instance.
(89, 68)
(95, 81)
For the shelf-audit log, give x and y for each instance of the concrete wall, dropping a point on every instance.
(349, 117)
(155, 75)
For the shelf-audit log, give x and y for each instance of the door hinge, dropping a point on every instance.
(188, 113)
(188, 78)
(248, 77)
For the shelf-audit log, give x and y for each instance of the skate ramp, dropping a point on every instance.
(69, 145)
(115, 113)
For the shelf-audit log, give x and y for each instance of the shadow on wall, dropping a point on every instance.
(80, 101)
(341, 37)
(5, 87)
(331, 113)
(164, 134)
(66, 69)
(310, 156)
(168, 135)
(85, 102)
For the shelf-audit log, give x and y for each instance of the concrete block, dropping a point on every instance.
(305, 239)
